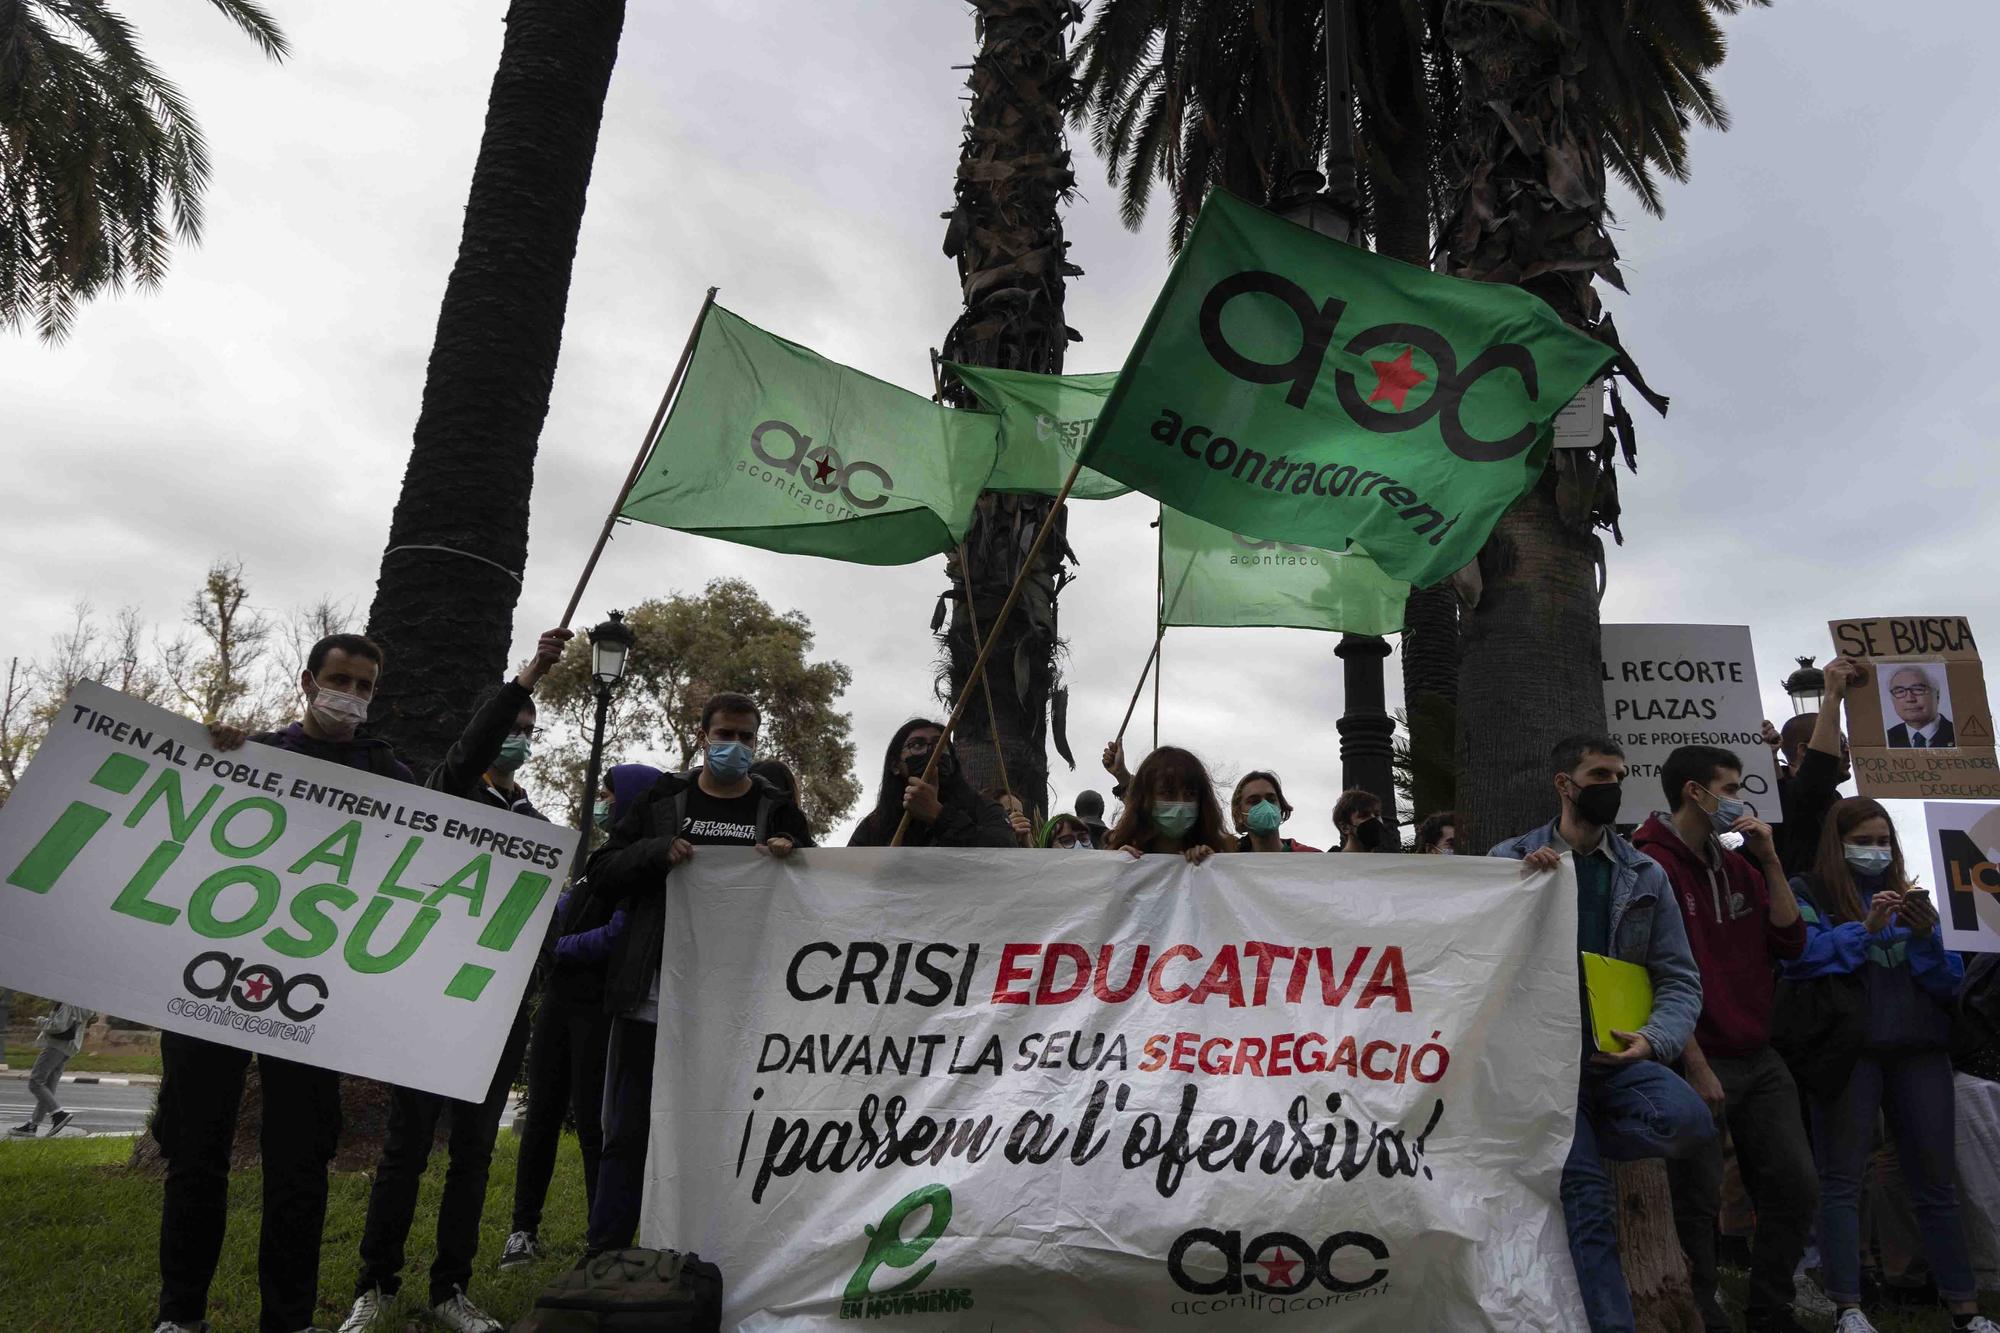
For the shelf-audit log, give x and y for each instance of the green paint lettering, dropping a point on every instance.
(469, 884)
(218, 836)
(337, 851)
(181, 822)
(514, 912)
(320, 930)
(469, 982)
(132, 900)
(390, 884)
(886, 1245)
(48, 858)
(356, 951)
(201, 907)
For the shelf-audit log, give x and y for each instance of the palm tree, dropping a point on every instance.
(1005, 231)
(444, 600)
(101, 161)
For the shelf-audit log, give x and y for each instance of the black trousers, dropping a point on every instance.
(628, 1124)
(195, 1125)
(565, 1069)
(392, 1199)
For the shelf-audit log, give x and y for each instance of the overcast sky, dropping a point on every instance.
(1817, 301)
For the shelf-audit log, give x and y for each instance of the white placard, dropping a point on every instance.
(1666, 686)
(1074, 1091)
(1965, 857)
(271, 901)
(1580, 425)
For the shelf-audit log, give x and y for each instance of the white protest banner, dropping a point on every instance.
(1965, 857)
(958, 1090)
(1666, 686)
(266, 900)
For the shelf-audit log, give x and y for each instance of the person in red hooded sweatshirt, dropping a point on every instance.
(1741, 919)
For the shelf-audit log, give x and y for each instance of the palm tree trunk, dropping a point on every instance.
(444, 601)
(1532, 212)
(1006, 234)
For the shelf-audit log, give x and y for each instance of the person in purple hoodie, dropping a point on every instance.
(566, 1055)
(203, 1081)
(1866, 919)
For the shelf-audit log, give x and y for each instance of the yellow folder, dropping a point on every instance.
(1620, 996)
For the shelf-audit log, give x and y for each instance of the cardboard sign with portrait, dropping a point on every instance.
(1920, 726)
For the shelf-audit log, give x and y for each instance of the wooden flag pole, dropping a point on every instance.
(985, 685)
(986, 648)
(1139, 688)
(639, 462)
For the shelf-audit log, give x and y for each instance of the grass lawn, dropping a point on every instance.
(79, 1239)
(1933, 1320)
(143, 1061)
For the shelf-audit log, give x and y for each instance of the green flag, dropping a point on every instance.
(1212, 576)
(1294, 388)
(1044, 420)
(772, 445)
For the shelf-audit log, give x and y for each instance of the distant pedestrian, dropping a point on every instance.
(1090, 809)
(62, 1037)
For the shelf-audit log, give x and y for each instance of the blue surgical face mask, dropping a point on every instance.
(1727, 811)
(600, 814)
(1174, 818)
(1869, 860)
(1265, 816)
(730, 760)
(513, 754)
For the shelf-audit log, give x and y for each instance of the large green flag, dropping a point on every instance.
(1044, 420)
(772, 445)
(1212, 576)
(1294, 388)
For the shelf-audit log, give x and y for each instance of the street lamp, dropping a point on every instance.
(610, 647)
(1806, 686)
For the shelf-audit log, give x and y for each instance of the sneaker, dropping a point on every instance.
(169, 1326)
(1853, 1321)
(460, 1315)
(370, 1308)
(58, 1120)
(522, 1249)
(1807, 1298)
(1981, 1324)
(27, 1131)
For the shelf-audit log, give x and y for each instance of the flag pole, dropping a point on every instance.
(985, 685)
(992, 637)
(639, 462)
(1160, 597)
(1139, 688)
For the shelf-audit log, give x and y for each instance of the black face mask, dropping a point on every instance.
(1368, 835)
(914, 765)
(1598, 803)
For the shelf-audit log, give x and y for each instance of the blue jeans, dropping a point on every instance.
(1915, 1090)
(1623, 1113)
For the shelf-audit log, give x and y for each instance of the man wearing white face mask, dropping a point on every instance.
(1741, 920)
(203, 1084)
(480, 766)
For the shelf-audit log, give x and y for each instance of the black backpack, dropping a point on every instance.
(625, 1291)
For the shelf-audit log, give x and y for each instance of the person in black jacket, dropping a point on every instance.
(572, 1031)
(718, 804)
(203, 1085)
(480, 766)
(1817, 764)
(944, 813)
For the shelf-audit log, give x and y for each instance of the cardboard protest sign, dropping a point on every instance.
(1965, 855)
(1666, 686)
(1004, 1090)
(1920, 725)
(270, 901)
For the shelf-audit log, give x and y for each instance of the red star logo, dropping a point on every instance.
(823, 468)
(254, 988)
(1278, 1271)
(1395, 379)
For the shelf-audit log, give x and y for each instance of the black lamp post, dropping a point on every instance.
(610, 645)
(1806, 686)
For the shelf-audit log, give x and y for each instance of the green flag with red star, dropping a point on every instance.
(1291, 387)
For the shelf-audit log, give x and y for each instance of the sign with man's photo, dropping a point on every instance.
(1920, 725)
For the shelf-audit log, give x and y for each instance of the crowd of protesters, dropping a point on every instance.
(1802, 1000)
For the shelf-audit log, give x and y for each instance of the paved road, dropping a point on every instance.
(100, 1108)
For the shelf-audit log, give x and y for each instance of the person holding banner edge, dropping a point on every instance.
(1630, 1105)
(201, 1088)
(1741, 920)
(1257, 807)
(1170, 809)
(718, 804)
(480, 766)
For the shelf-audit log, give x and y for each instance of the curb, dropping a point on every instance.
(105, 1080)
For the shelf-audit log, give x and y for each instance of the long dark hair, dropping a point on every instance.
(1833, 879)
(1135, 828)
(889, 795)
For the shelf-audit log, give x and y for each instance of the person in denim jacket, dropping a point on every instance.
(1865, 919)
(1630, 1105)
